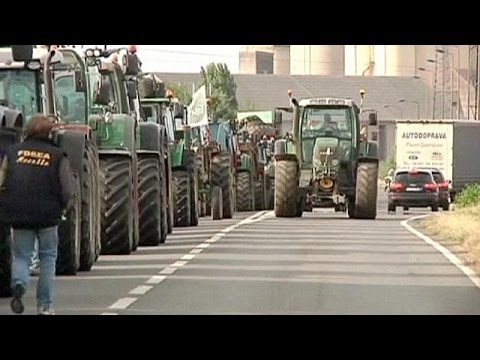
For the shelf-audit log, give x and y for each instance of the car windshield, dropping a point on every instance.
(19, 90)
(413, 177)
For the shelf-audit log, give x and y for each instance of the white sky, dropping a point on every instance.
(185, 58)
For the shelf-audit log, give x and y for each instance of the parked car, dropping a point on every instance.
(444, 188)
(413, 188)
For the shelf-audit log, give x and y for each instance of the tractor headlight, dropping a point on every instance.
(335, 162)
(34, 65)
(89, 53)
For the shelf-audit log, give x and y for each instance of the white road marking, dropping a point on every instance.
(108, 313)
(443, 250)
(168, 271)
(123, 303)
(179, 263)
(157, 279)
(141, 290)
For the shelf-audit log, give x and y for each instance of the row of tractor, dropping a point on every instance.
(140, 168)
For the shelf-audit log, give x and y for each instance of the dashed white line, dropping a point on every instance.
(123, 303)
(157, 279)
(443, 250)
(179, 263)
(141, 290)
(203, 246)
(168, 271)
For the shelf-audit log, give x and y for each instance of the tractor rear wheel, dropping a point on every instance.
(366, 191)
(69, 236)
(181, 198)
(117, 205)
(149, 197)
(286, 185)
(6, 256)
(222, 177)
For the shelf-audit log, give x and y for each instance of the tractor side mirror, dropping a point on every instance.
(22, 53)
(372, 119)
(278, 118)
(178, 111)
(102, 93)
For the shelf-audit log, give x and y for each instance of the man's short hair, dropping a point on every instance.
(39, 127)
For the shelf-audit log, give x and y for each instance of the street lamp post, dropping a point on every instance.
(412, 101)
(394, 107)
(446, 53)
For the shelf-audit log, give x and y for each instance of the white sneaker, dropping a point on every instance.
(44, 310)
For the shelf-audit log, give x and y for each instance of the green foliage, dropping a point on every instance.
(224, 104)
(181, 92)
(386, 165)
(470, 196)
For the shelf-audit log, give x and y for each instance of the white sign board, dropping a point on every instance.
(425, 146)
(197, 111)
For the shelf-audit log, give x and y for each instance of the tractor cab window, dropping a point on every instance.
(70, 100)
(19, 89)
(325, 124)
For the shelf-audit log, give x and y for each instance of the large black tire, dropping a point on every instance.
(149, 200)
(181, 199)
(69, 236)
(286, 185)
(244, 192)
(5, 261)
(217, 203)
(351, 208)
(190, 162)
(260, 189)
(366, 191)
(163, 203)
(136, 211)
(116, 190)
(222, 176)
(171, 198)
(89, 178)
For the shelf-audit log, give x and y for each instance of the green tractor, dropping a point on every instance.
(182, 180)
(220, 161)
(25, 82)
(325, 162)
(116, 131)
(254, 174)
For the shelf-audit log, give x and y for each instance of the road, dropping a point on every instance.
(323, 263)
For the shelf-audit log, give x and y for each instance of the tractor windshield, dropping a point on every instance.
(327, 124)
(20, 89)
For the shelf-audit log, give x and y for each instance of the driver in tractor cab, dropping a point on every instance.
(328, 125)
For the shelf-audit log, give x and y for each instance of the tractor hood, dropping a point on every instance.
(326, 153)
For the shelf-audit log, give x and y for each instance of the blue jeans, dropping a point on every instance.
(23, 247)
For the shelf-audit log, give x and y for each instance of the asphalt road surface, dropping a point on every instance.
(323, 263)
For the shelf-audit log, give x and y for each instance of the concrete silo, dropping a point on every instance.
(400, 60)
(317, 60)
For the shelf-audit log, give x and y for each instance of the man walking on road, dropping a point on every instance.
(36, 186)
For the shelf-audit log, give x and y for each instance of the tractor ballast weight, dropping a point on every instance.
(324, 162)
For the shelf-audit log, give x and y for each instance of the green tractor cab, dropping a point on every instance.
(325, 162)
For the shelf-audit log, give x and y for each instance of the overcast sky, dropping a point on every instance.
(186, 58)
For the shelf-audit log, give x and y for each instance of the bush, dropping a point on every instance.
(386, 165)
(470, 196)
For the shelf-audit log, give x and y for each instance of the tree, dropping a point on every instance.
(223, 96)
(180, 91)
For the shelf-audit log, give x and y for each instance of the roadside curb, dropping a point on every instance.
(443, 250)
